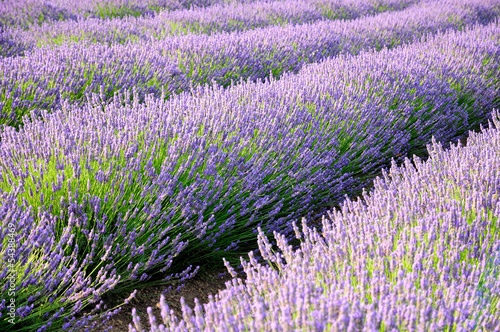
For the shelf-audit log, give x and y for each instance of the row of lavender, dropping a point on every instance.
(26, 13)
(118, 191)
(46, 77)
(421, 252)
(208, 20)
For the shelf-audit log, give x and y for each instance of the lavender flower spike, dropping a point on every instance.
(421, 252)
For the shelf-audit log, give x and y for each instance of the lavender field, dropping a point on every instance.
(142, 141)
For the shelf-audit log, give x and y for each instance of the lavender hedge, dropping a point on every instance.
(46, 77)
(208, 20)
(26, 13)
(131, 190)
(421, 252)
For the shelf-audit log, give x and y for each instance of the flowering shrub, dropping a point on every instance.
(26, 13)
(46, 77)
(420, 252)
(108, 195)
(220, 17)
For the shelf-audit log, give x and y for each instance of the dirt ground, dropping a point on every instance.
(201, 286)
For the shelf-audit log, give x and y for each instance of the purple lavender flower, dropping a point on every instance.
(144, 184)
(219, 17)
(47, 77)
(418, 221)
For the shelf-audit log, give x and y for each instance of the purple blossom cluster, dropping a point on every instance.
(421, 252)
(46, 279)
(46, 77)
(126, 189)
(217, 18)
(26, 13)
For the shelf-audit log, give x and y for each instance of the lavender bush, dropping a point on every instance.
(139, 188)
(421, 252)
(46, 77)
(213, 19)
(41, 276)
(26, 13)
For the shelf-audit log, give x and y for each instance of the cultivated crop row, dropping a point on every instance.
(421, 253)
(107, 195)
(209, 20)
(26, 13)
(46, 77)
